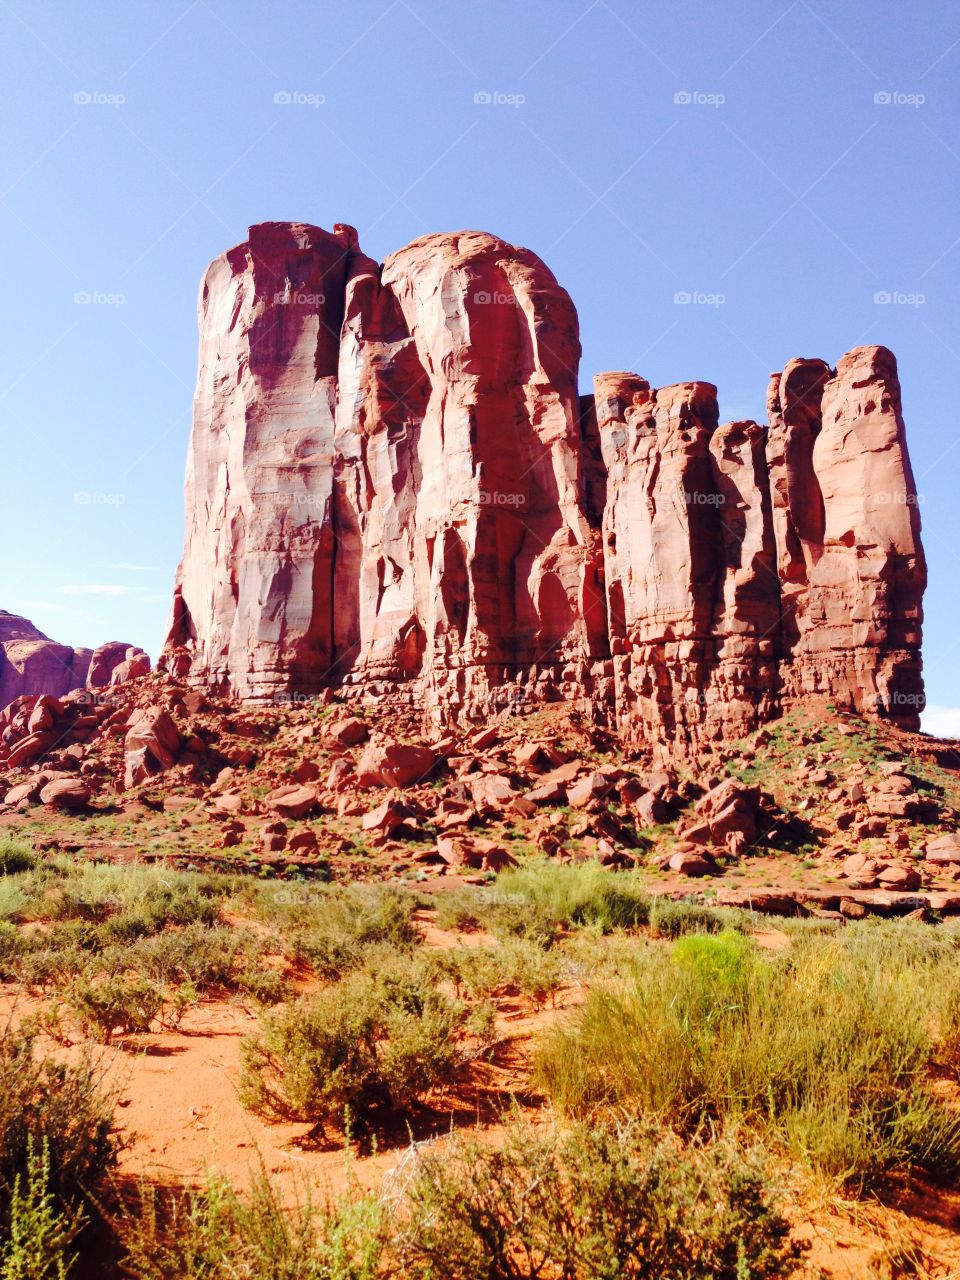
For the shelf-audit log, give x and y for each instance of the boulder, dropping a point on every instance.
(731, 808)
(348, 731)
(388, 816)
(943, 849)
(293, 801)
(690, 864)
(65, 793)
(386, 763)
(151, 744)
(24, 791)
(594, 786)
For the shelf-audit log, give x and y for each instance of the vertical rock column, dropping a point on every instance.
(663, 552)
(860, 638)
(253, 604)
(459, 434)
(744, 686)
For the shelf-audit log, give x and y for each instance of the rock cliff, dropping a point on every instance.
(394, 486)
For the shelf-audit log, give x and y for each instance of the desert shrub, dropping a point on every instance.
(117, 1003)
(216, 1234)
(672, 919)
(133, 902)
(584, 893)
(372, 1040)
(12, 898)
(208, 957)
(39, 1233)
(330, 928)
(56, 1146)
(824, 1046)
(600, 1200)
(15, 856)
(516, 966)
(50, 956)
(462, 909)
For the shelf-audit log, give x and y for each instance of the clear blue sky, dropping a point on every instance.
(782, 185)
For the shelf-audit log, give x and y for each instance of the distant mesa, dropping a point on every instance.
(32, 664)
(394, 486)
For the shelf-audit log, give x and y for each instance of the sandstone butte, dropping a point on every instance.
(393, 485)
(31, 664)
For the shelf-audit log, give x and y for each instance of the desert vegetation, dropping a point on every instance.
(685, 1090)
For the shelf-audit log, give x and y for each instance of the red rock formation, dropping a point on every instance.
(253, 608)
(459, 432)
(394, 485)
(451, 547)
(855, 633)
(31, 664)
(115, 663)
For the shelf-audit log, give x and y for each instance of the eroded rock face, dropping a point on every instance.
(394, 485)
(253, 611)
(33, 665)
(384, 485)
(852, 627)
(459, 428)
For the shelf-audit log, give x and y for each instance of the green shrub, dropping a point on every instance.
(57, 1144)
(582, 893)
(15, 857)
(373, 1040)
(330, 928)
(12, 899)
(51, 955)
(208, 957)
(217, 1234)
(672, 919)
(108, 1005)
(602, 1200)
(133, 902)
(825, 1046)
(39, 1233)
(516, 966)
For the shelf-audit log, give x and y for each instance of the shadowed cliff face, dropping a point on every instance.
(394, 484)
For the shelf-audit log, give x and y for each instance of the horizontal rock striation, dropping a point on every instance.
(393, 485)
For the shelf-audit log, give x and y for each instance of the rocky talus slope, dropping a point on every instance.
(817, 812)
(393, 484)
